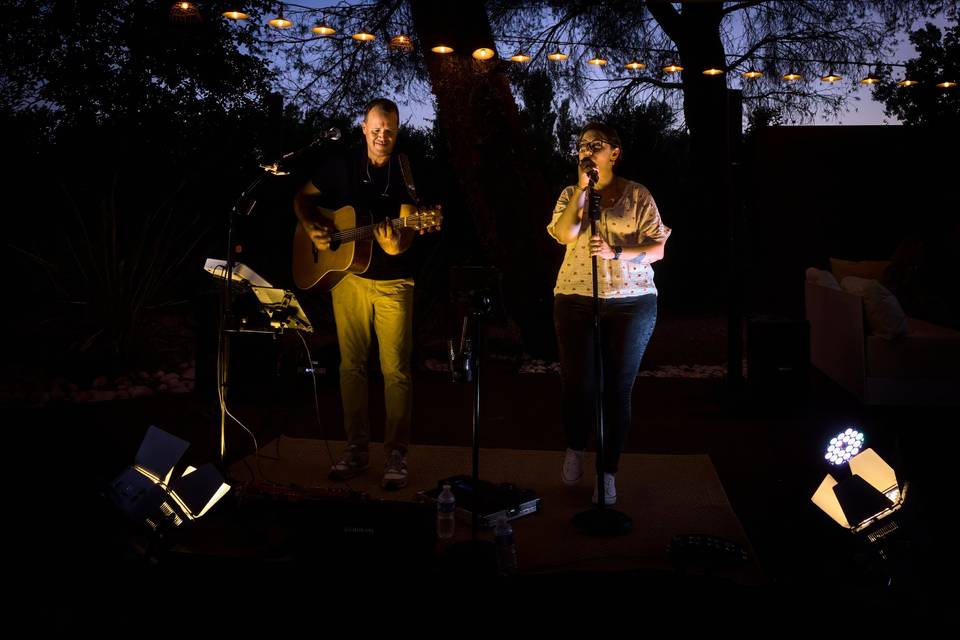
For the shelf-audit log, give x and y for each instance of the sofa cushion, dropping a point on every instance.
(885, 317)
(870, 269)
(823, 278)
(927, 352)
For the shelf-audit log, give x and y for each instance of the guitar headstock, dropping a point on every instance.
(427, 219)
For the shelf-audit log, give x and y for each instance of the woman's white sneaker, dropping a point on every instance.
(572, 471)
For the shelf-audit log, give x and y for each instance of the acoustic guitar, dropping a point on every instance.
(351, 247)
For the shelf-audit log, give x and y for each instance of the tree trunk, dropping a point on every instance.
(505, 192)
(695, 30)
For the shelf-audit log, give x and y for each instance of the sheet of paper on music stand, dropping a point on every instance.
(241, 272)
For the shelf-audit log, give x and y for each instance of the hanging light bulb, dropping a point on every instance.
(520, 56)
(831, 77)
(597, 61)
(280, 22)
(557, 56)
(234, 13)
(635, 65)
(672, 68)
(907, 82)
(947, 84)
(483, 53)
(363, 36)
(185, 12)
(323, 29)
(712, 71)
(791, 75)
(401, 42)
(442, 49)
(870, 79)
(752, 74)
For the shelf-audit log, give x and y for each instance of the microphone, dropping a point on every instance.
(330, 134)
(590, 168)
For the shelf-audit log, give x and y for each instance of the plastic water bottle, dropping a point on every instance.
(506, 548)
(446, 508)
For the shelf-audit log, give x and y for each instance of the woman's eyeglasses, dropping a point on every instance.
(594, 146)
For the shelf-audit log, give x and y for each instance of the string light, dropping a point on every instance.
(483, 53)
(635, 65)
(401, 42)
(323, 29)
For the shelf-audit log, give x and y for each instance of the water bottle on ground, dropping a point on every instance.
(446, 508)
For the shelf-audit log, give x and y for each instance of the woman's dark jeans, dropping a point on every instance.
(626, 325)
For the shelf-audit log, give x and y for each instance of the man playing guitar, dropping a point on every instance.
(376, 183)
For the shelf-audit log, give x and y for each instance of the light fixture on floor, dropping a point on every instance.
(865, 499)
(149, 494)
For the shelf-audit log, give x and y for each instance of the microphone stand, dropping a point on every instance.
(244, 205)
(477, 556)
(600, 520)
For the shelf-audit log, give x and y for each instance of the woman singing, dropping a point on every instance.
(630, 238)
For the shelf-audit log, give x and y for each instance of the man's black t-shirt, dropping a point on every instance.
(375, 193)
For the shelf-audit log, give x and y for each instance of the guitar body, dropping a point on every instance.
(351, 247)
(325, 269)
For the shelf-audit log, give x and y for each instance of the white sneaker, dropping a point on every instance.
(572, 471)
(609, 490)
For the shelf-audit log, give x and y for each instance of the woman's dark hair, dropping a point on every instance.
(609, 133)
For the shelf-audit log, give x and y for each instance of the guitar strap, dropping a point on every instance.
(407, 173)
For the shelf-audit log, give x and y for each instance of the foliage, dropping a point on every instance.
(926, 104)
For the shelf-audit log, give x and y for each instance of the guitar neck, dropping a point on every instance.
(366, 232)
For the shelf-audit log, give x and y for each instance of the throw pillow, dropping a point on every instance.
(885, 317)
(870, 269)
(822, 278)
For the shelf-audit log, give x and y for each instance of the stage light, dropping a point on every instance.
(149, 494)
(844, 446)
(869, 494)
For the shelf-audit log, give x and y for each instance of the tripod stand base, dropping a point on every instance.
(476, 557)
(602, 522)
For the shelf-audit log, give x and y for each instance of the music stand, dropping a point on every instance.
(268, 310)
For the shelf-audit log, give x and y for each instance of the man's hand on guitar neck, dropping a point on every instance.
(391, 241)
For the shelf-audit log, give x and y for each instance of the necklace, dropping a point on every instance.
(386, 189)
